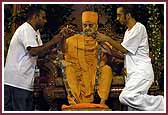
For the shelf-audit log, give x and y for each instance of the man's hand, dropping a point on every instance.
(102, 37)
(64, 33)
(68, 31)
(57, 38)
(106, 48)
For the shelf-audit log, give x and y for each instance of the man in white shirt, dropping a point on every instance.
(138, 65)
(24, 48)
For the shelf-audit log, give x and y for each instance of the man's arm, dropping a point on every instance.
(117, 54)
(107, 48)
(117, 45)
(40, 50)
(101, 37)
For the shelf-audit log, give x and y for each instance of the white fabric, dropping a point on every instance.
(137, 60)
(139, 71)
(20, 65)
(135, 96)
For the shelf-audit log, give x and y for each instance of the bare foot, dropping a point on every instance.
(102, 101)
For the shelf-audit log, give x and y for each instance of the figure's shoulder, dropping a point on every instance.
(74, 38)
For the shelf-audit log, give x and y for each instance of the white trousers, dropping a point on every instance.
(135, 96)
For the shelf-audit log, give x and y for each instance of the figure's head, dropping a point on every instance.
(89, 22)
(125, 13)
(38, 16)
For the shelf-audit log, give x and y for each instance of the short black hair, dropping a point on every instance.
(129, 9)
(34, 11)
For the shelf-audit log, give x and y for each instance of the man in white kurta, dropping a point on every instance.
(139, 71)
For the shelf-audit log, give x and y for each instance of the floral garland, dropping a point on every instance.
(98, 73)
(67, 87)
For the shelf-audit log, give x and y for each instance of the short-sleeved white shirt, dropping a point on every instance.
(137, 60)
(20, 65)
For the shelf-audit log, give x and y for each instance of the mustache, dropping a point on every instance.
(85, 33)
(94, 35)
(88, 31)
(82, 33)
